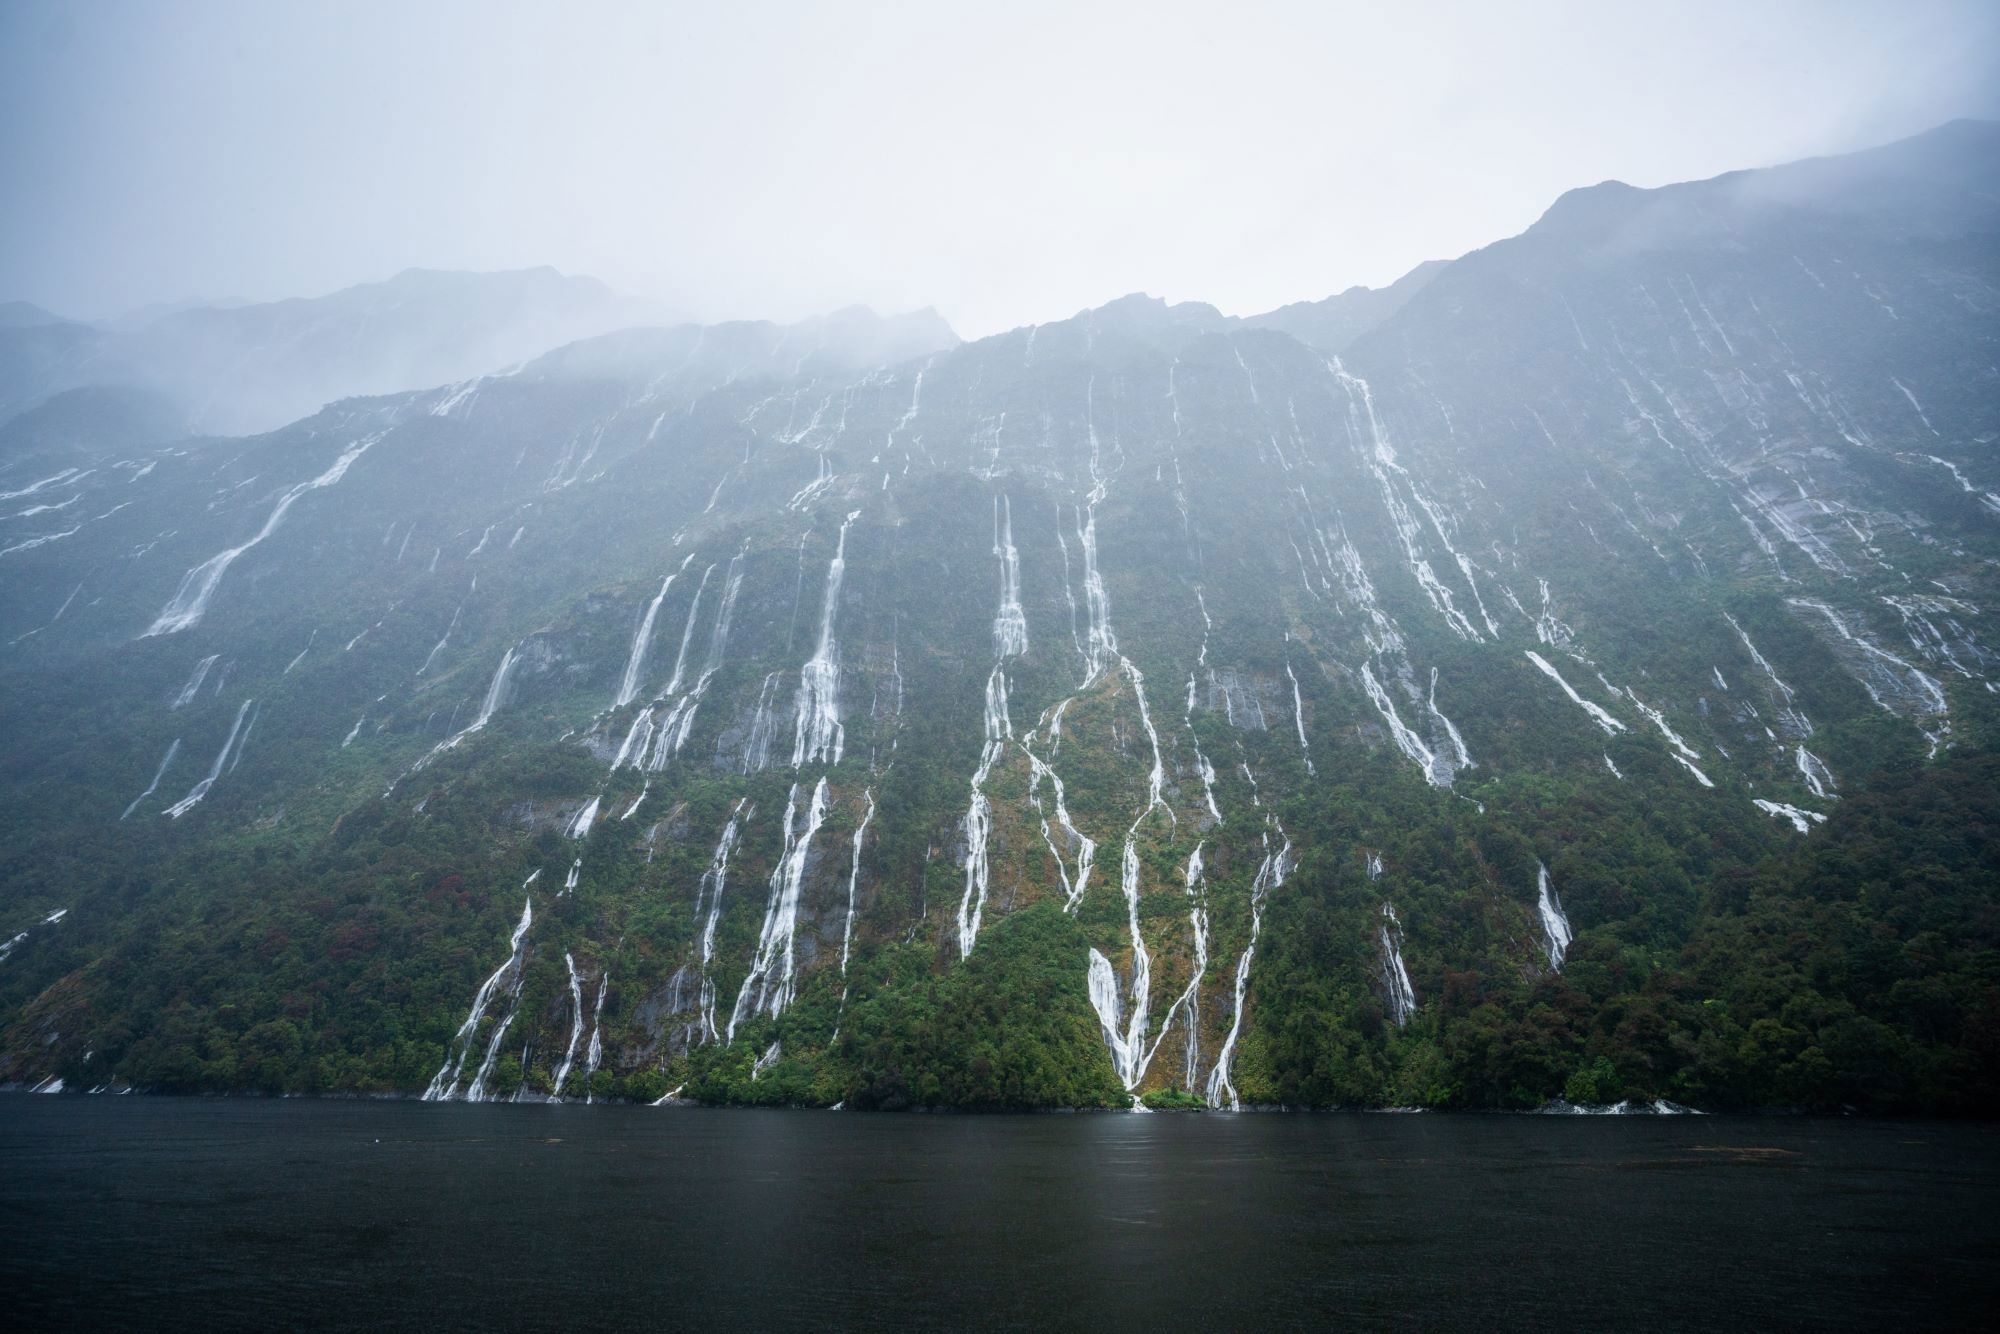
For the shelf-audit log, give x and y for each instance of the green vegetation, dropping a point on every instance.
(1861, 971)
(1322, 584)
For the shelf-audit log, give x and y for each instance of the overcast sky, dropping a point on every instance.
(1006, 162)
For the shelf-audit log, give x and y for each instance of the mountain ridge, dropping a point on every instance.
(243, 368)
(1144, 705)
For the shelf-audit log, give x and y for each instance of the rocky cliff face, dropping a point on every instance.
(1146, 703)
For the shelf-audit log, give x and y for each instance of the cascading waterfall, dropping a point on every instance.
(673, 730)
(1010, 638)
(854, 882)
(302, 653)
(979, 814)
(1555, 925)
(1611, 726)
(1549, 628)
(244, 744)
(1818, 778)
(853, 903)
(637, 738)
(1441, 762)
(580, 824)
(1402, 997)
(1685, 754)
(1793, 727)
(768, 987)
(172, 749)
(1406, 740)
(1073, 882)
(186, 607)
(1299, 716)
(820, 736)
(1189, 1001)
(1099, 652)
(444, 639)
(1793, 723)
(687, 633)
(200, 789)
(68, 476)
(1069, 593)
(1100, 643)
(1379, 457)
(763, 727)
(1271, 875)
(1127, 1047)
(593, 1055)
(708, 908)
(1104, 999)
(444, 1084)
(13, 942)
(1128, 1053)
(1201, 764)
(193, 686)
(575, 1029)
(1010, 623)
(1462, 758)
(1930, 622)
(1801, 819)
(1896, 685)
(1124, 1033)
(635, 657)
(477, 1090)
(496, 695)
(1197, 893)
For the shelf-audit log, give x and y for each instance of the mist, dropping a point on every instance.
(1004, 166)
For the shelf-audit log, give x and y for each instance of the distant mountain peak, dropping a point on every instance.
(26, 315)
(1944, 181)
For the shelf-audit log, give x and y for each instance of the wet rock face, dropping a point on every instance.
(1675, 516)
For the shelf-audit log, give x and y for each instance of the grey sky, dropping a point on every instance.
(1007, 163)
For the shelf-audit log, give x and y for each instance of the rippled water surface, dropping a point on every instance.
(249, 1214)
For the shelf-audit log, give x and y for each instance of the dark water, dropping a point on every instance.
(243, 1214)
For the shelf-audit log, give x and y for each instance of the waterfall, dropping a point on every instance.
(1270, 875)
(1010, 639)
(820, 736)
(444, 1084)
(190, 601)
(158, 774)
(193, 686)
(708, 897)
(575, 1029)
(628, 683)
(1396, 986)
(769, 986)
(1555, 925)
(200, 790)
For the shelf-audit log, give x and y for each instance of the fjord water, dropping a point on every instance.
(325, 1214)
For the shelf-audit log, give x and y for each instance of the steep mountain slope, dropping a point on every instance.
(1136, 704)
(88, 424)
(240, 368)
